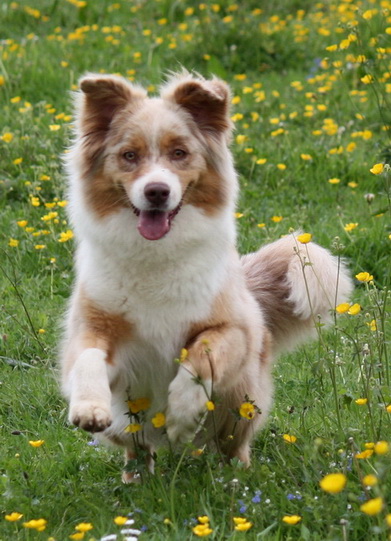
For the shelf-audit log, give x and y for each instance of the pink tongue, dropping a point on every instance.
(153, 224)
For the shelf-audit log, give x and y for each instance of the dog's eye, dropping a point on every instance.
(130, 156)
(179, 154)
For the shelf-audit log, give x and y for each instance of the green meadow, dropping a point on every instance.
(311, 96)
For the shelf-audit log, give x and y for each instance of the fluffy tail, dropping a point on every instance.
(296, 286)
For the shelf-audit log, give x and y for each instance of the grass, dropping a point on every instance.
(311, 89)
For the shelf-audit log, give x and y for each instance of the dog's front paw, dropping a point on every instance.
(91, 416)
(186, 406)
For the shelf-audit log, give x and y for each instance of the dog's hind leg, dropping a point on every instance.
(133, 476)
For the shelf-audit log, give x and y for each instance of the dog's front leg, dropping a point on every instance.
(89, 390)
(85, 379)
(213, 362)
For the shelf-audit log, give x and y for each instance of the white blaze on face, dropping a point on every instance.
(156, 197)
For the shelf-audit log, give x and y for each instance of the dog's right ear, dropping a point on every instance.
(101, 98)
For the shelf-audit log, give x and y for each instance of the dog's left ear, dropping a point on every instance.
(206, 101)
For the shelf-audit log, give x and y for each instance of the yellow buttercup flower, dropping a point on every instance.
(291, 519)
(140, 404)
(36, 524)
(7, 137)
(247, 410)
(77, 536)
(158, 420)
(369, 480)
(377, 169)
(203, 519)
(333, 483)
(372, 507)
(364, 454)
(361, 401)
(120, 521)
(84, 527)
(381, 448)
(354, 309)
(304, 238)
(364, 277)
(202, 530)
(367, 79)
(342, 308)
(13, 517)
(242, 524)
(289, 438)
(210, 405)
(349, 227)
(133, 428)
(36, 443)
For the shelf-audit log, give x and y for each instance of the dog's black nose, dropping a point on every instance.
(157, 193)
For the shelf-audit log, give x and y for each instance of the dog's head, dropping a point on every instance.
(153, 155)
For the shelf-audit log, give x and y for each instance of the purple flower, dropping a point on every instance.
(257, 497)
(243, 506)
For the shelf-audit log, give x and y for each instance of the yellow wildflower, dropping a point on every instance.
(17, 161)
(261, 161)
(372, 325)
(140, 404)
(377, 169)
(382, 448)
(388, 408)
(120, 521)
(66, 235)
(291, 519)
(204, 519)
(364, 277)
(13, 243)
(342, 308)
(354, 309)
(77, 536)
(84, 527)
(306, 157)
(158, 420)
(13, 517)
(210, 405)
(367, 79)
(289, 438)
(334, 180)
(202, 530)
(7, 137)
(364, 454)
(247, 410)
(369, 480)
(349, 227)
(361, 401)
(276, 219)
(304, 238)
(132, 428)
(372, 507)
(184, 355)
(36, 443)
(333, 483)
(38, 524)
(242, 524)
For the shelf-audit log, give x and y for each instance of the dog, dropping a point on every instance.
(152, 195)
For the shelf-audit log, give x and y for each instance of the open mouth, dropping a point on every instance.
(154, 224)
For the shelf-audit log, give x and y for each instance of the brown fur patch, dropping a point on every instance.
(207, 102)
(209, 192)
(102, 329)
(105, 197)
